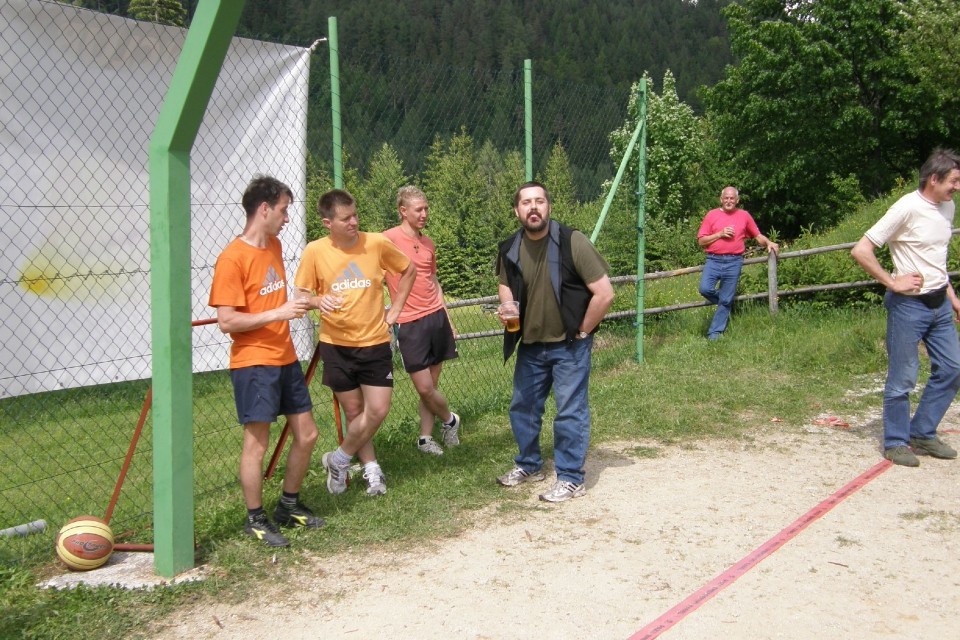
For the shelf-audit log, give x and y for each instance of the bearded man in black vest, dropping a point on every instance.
(562, 286)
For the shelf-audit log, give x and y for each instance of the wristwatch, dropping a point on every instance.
(582, 335)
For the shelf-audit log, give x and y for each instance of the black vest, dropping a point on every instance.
(570, 290)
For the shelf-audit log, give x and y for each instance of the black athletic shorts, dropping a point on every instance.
(426, 341)
(346, 368)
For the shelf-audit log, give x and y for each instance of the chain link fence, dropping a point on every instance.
(80, 94)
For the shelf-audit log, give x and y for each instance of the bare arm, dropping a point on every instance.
(706, 241)
(864, 253)
(771, 246)
(232, 321)
(602, 291)
(404, 287)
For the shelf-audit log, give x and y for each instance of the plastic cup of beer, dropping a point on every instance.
(510, 312)
(300, 293)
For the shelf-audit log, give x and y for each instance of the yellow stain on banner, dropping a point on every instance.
(48, 274)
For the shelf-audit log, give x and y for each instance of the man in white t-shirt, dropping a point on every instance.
(921, 305)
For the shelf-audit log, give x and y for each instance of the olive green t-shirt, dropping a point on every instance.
(542, 321)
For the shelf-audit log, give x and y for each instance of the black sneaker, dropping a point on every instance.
(262, 529)
(299, 516)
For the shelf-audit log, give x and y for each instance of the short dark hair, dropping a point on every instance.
(328, 203)
(940, 163)
(527, 185)
(263, 189)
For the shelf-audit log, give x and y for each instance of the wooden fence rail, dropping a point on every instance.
(772, 294)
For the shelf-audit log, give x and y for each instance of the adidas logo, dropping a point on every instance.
(352, 278)
(272, 282)
(390, 376)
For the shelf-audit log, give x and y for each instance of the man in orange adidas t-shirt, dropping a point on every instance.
(346, 271)
(249, 292)
(424, 333)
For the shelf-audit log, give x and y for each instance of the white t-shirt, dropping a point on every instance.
(918, 233)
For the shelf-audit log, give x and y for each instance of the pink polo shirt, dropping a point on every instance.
(743, 227)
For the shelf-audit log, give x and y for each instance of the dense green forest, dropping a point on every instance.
(809, 108)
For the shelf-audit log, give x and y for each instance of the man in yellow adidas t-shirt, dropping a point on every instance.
(345, 271)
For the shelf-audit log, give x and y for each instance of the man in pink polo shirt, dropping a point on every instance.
(722, 234)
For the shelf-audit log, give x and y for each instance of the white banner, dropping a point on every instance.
(79, 96)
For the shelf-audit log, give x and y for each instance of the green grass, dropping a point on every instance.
(792, 367)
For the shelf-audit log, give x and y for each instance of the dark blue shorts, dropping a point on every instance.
(262, 393)
(426, 341)
(346, 368)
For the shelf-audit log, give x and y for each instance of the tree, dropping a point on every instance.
(168, 12)
(378, 192)
(824, 96)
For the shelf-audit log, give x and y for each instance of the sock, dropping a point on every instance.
(371, 466)
(341, 459)
(253, 514)
(452, 420)
(289, 500)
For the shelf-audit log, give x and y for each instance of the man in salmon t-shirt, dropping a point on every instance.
(722, 235)
(345, 272)
(424, 333)
(249, 292)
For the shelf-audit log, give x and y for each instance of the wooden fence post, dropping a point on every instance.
(772, 282)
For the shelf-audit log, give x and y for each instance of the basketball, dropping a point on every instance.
(85, 543)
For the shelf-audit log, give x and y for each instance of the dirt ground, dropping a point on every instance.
(652, 531)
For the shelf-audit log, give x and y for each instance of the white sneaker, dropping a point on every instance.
(563, 490)
(517, 475)
(426, 444)
(451, 434)
(376, 481)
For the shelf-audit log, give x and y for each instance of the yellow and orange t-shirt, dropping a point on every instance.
(253, 280)
(356, 274)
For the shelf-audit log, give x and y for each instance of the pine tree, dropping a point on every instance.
(168, 12)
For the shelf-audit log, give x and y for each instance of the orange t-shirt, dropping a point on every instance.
(356, 274)
(425, 297)
(253, 280)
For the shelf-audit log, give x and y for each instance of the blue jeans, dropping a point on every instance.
(908, 322)
(726, 271)
(566, 368)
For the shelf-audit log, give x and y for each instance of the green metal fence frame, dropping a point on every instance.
(178, 123)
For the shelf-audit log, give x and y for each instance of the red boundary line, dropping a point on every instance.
(728, 577)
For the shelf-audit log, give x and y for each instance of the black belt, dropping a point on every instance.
(933, 299)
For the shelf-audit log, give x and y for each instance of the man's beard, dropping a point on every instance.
(535, 228)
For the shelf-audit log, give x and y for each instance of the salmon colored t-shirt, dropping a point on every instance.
(357, 275)
(253, 280)
(425, 297)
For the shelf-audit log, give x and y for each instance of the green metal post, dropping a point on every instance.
(641, 214)
(335, 102)
(528, 115)
(623, 167)
(179, 120)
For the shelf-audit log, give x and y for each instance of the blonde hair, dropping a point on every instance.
(408, 194)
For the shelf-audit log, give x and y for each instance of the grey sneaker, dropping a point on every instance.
(563, 490)
(336, 476)
(451, 434)
(376, 482)
(517, 476)
(934, 447)
(901, 455)
(427, 444)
